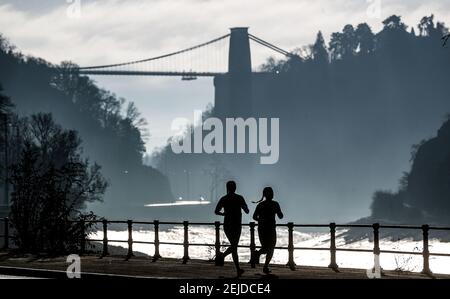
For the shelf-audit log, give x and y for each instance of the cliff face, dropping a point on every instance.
(428, 183)
(424, 192)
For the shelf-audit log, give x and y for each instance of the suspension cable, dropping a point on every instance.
(157, 57)
(270, 46)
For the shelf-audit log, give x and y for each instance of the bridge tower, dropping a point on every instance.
(239, 57)
(233, 96)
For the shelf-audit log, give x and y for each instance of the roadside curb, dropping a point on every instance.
(58, 274)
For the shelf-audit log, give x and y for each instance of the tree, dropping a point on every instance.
(343, 45)
(5, 45)
(394, 38)
(136, 119)
(5, 102)
(335, 46)
(319, 51)
(66, 79)
(445, 39)
(5, 106)
(394, 22)
(426, 26)
(272, 65)
(349, 40)
(52, 185)
(365, 38)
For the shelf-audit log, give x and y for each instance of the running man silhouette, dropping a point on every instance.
(232, 204)
(265, 215)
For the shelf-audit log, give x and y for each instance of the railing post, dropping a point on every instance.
(252, 243)
(376, 246)
(217, 243)
(291, 262)
(6, 233)
(376, 238)
(130, 239)
(82, 237)
(105, 237)
(333, 265)
(426, 253)
(156, 256)
(186, 242)
(376, 249)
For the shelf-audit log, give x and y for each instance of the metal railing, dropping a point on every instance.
(252, 225)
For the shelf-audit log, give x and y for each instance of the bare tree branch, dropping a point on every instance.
(445, 39)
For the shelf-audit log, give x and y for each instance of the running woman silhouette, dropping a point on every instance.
(265, 215)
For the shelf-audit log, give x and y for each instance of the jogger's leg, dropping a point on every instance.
(228, 251)
(235, 255)
(269, 256)
(233, 234)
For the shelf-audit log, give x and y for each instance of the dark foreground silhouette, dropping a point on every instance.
(231, 204)
(265, 215)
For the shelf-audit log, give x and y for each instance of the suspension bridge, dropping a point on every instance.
(229, 53)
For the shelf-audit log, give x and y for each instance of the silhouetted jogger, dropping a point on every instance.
(232, 204)
(265, 215)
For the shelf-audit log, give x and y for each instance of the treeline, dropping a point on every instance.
(112, 130)
(362, 41)
(99, 108)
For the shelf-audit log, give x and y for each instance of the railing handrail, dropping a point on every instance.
(344, 225)
(252, 246)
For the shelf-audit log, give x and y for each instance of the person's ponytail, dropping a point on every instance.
(262, 198)
(267, 194)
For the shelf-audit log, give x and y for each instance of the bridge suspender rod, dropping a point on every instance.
(270, 46)
(155, 58)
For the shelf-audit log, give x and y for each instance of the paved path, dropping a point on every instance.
(172, 268)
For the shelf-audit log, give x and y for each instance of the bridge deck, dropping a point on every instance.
(149, 73)
(172, 268)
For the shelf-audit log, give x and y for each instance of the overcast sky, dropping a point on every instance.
(110, 31)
